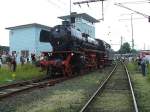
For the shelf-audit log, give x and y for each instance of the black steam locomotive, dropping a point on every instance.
(73, 51)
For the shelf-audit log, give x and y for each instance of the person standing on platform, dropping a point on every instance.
(143, 65)
(22, 60)
(139, 63)
(0, 61)
(14, 63)
(33, 59)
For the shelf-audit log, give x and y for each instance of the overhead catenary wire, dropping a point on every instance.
(130, 19)
(64, 4)
(121, 5)
(136, 2)
(60, 7)
(53, 3)
(92, 1)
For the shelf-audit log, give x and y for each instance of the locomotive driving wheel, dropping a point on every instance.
(68, 71)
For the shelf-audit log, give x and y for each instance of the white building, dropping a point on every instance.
(24, 40)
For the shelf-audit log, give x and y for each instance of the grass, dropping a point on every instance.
(115, 97)
(141, 87)
(132, 66)
(25, 72)
(68, 96)
(105, 103)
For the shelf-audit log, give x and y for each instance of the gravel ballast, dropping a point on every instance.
(68, 96)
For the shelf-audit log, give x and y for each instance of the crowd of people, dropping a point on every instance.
(142, 64)
(11, 62)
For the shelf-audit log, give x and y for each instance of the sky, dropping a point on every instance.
(116, 24)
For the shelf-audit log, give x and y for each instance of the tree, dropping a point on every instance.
(125, 48)
(134, 51)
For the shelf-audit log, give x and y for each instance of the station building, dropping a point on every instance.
(24, 40)
(82, 22)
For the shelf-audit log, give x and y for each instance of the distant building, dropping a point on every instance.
(144, 52)
(24, 40)
(83, 22)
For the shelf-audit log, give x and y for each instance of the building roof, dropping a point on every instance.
(28, 25)
(83, 15)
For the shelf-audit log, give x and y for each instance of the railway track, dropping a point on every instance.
(12, 89)
(115, 94)
(15, 88)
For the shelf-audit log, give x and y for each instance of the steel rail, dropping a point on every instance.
(28, 85)
(19, 83)
(18, 89)
(131, 88)
(98, 90)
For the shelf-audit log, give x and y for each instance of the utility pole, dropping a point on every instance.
(70, 12)
(70, 7)
(121, 41)
(132, 31)
(91, 1)
(144, 46)
(137, 12)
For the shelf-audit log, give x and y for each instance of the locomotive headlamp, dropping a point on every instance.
(72, 54)
(57, 30)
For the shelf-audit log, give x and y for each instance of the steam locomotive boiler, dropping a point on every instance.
(73, 51)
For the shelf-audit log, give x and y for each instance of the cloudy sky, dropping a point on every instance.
(116, 22)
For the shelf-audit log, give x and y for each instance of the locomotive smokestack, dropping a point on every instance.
(45, 36)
